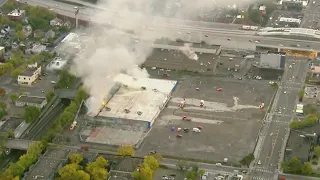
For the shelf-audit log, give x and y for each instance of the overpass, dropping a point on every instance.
(20, 144)
(66, 93)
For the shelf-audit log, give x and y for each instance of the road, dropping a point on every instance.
(312, 15)
(88, 12)
(275, 131)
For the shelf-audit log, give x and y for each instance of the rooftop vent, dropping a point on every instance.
(135, 79)
(139, 113)
(126, 110)
(125, 86)
(108, 109)
(143, 88)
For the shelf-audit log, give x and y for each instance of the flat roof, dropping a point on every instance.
(43, 169)
(31, 99)
(131, 98)
(28, 71)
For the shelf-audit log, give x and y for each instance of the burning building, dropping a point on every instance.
(137, 101)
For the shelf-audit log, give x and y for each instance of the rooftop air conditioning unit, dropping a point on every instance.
(126, 110)
(139, 113)
(143, 88)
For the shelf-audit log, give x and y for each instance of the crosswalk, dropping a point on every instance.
(263, 170)
(261, 178)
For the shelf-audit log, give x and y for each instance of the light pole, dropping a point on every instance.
(76, 15)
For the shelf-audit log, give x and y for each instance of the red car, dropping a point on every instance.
(185, 118)
(179, 136)
(165, 75)
(219, 89)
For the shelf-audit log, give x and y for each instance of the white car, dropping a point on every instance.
(179, 33)
(259, 162)
(285, 92)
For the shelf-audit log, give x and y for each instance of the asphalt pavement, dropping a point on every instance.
(275, 131)
(312, 15)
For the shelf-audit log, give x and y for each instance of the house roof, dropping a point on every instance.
(31, 99)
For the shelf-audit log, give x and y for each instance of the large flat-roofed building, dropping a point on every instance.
(273, 60)
(138, 101)
(36, 101)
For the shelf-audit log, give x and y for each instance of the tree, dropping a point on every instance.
(49, 96)
(76, 158)
(246, 161)
(15, 73)
(97, 169)
(144, 173)
(3, 105)
(182, 165)
(317, 151)
(31, 113)
(293, 166)
(13, 97)
(19, 27)
(81, 95)
(307, 169)
(152, 162)
(254, 15)
(66, 79)
(73, 172)
(125, 151)
(301, 94)
(19, 35)
(10, 133)
(2, 91)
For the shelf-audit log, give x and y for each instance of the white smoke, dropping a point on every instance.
(108, 51)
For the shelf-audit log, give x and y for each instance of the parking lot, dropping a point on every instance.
(177, 60)
(231, 119)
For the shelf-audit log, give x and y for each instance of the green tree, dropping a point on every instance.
(13, 97)
(73, 172)
(10, 133)
(293, 166)
(152, 162)
(76, 158)
(81, 95)
(72, 108)
(31, 113)
(19, 27)
(246, 161)
(19, 35)
(49, 96)
(3, 105)
(254, 15)
(15, 73)
(125, 151)
(3, 139)
(301, 94)
(4, 20)
(66, 80)
(307, 169)
(97, 169)
(144, 173)
(317, 151)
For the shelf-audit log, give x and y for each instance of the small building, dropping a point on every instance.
(50, 34)
(27, 30)
(16, 15)
(38, 33)
(38, 48)
(36, 101)
(56, 22)
(273, 60)
(56, 64)
(29, 76)
(299, 109)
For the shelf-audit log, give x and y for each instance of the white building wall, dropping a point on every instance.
(28, 80)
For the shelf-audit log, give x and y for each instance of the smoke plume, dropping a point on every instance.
(107, 51)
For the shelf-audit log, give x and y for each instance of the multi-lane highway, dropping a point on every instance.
(311, 15)
(219, 33)
(273, 136)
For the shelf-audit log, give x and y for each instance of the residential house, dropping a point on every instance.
(29, 76)
(38, 33)
(56, 22)
(27, 30)
(50, 34)
(16, 15)
(38, 48)
(36, 101)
